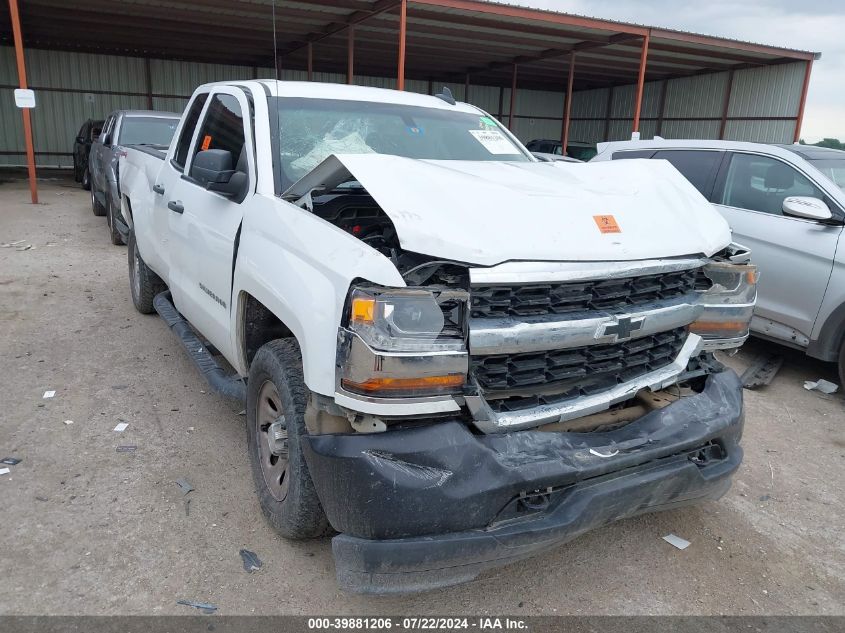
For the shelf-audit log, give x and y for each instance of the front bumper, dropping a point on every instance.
(434, 506)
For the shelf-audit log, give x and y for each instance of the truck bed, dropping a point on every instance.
(155, 151)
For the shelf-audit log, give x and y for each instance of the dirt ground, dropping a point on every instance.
(89, 530)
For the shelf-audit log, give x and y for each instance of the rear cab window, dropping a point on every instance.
(183, 145)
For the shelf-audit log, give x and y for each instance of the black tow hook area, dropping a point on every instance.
(707, 455)
(228, 386)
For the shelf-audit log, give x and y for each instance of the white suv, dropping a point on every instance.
(787, 204)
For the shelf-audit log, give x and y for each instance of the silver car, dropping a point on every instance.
(123, 127)
(787, 204)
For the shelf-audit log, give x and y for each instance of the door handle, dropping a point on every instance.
(176, 205)
(158, 189)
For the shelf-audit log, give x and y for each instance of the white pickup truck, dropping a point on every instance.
(453, 356)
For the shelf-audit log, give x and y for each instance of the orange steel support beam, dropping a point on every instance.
(564, 141)
(513, 98)
(726, 104)
(806, 87)
(350, 54)
(638, 104)
(27, 121)
(403, 27)
(310, 61)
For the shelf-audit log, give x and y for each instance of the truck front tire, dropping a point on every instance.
(144, 284)
(275, 414)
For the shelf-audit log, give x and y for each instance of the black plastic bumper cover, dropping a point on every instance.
(434, 506)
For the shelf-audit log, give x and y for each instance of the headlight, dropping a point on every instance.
(403, 342)
(728, 302)
(408, 319)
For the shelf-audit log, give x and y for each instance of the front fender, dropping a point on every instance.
(300, 268)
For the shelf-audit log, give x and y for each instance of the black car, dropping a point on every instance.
(81, 148)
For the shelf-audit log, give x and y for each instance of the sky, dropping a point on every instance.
(811, 25)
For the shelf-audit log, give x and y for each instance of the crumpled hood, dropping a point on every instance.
(486, 213)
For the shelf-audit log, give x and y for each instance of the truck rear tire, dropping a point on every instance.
(144, 284)
(275, 415)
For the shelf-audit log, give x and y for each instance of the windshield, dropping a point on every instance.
(311, 130)
(833, 168)
(138, 130)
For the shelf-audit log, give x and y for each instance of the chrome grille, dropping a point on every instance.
(524, 380)
(609, 295)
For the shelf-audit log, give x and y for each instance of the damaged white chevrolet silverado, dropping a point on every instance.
(452, 355)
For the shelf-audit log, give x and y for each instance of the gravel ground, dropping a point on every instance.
(89, 530)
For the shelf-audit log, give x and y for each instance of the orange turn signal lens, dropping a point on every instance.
(718, 326)
(427, 384)
(363, 309)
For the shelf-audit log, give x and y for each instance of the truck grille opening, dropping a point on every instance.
(562, 298)
(512, 382)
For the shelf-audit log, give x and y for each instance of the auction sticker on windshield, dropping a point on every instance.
(494, 141)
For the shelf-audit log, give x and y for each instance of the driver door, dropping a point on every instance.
(203, 224)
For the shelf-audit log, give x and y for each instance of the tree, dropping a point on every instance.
(832, 143)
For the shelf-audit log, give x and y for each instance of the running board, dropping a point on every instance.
(230, 386)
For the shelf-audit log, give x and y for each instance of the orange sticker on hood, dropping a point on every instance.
(607, 224)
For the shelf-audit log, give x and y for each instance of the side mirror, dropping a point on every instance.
(806, 207)
(213, 168)
(80, 139)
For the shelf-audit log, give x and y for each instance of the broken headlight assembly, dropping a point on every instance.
(728, 304)
(403, 342)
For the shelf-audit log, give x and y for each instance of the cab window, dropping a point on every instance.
(223, 128)
(107, 129)
(183, 146)
(760, 183)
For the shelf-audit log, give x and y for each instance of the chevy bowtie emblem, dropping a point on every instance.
(623, 328)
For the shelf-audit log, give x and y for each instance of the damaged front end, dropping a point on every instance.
(484, 413)
(515, 347)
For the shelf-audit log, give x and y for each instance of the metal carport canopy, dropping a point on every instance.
(446, 39)
(470, 41)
